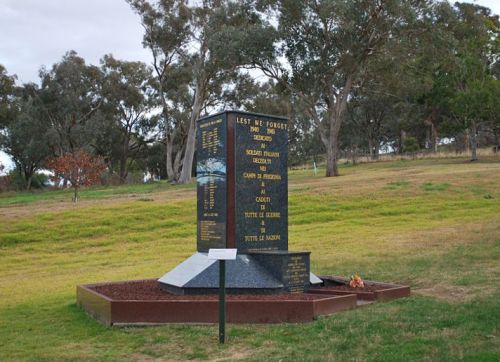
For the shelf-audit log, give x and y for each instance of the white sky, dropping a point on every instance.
(39, 32)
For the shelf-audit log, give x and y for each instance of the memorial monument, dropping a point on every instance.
(242, 190)
(242, 204)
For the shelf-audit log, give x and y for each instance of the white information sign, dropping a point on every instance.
(222, 254)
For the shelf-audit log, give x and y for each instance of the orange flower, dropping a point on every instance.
(356, 281)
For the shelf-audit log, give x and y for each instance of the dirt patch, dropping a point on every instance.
(449, 293)
(235, 354)
(144, 358)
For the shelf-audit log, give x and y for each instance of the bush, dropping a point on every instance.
(410, 144)
(18, 183)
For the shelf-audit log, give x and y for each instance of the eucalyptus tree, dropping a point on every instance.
(458, 62)
(25, 137)
(475, 85)
(70, 95)
(7, 94)
(383, 108)
(166, 35)
(128, 104)
(328, 45)
(195, 47)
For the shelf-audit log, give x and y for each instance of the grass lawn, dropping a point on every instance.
(432, 224)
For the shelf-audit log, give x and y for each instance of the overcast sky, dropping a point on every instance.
(39, 32)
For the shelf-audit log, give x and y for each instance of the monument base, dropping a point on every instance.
(142, 302)
(269, 272)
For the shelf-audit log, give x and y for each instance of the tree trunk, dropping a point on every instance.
(75, 195)
(336, 115)
(187, 163)
(123, 169)
(28, 182)
(402, 138)
(123, 163)
(28, 176)
(354, 151)
(169, 144)
(331, 156)
(376, 151)
(473, 141)
(434, 136)
(177, 162)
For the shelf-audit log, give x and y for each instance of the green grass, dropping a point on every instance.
(398, 184)
(429, 186)
(15, 198)
(391, 221)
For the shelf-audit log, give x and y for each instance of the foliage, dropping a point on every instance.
(25, 138)
(128, 101)
(17, 181)
(328, 46)
(464, 93)
(410, 144)
(70, 95)
(7, 91)
(353, 77)
(79, 168)
(196, 50)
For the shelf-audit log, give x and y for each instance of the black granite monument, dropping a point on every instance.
(242, 188)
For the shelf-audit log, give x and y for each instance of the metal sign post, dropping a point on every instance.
(222, 301)
(222, 255)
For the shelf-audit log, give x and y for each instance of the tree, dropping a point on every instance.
(382, 109)
(367, 122)
(195, 48)
(79, 168)
(476, 90)
(70, 94)
(229, 35)
(166, 26)
(328, 45)
(7, 93)
(155, 161)
(26, 136)
(128, 104)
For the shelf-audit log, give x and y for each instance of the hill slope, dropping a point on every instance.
(433, 224)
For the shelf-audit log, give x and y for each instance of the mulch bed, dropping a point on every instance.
(346, 288)
(149, 290)
(372, 291)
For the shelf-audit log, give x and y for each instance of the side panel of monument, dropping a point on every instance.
(242, 182)
(211, 171)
